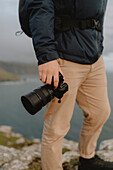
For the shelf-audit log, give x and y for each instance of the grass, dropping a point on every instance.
(35, 165)
(11, 141)
(70, 165)
(65, 150)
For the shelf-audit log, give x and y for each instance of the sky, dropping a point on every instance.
(20, 49)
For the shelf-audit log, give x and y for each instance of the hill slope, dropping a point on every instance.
(7, 76)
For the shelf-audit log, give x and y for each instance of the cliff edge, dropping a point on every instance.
(19, 153)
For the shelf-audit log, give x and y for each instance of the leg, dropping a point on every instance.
(58, 116)
(92, 97)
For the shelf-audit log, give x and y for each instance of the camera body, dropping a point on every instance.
(34, 101)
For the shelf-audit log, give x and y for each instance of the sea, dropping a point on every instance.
(12, 112)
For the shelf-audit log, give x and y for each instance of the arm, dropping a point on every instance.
(41, 20)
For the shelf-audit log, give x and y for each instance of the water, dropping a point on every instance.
(13, 113)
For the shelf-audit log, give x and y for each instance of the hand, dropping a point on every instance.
(49, 70)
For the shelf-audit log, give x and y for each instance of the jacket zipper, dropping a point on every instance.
(97, 41)
(97, 31)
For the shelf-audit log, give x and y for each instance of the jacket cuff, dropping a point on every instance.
(45, 58)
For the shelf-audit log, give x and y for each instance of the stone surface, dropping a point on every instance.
(18, 135)
(11, 158)
(106, 145)
(20, 141)
(106, 150)
(69, 144)
(15, 159)
(37, 141)
(70, 155)
(6, 129)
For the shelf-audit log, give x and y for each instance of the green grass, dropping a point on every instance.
(70, 165)
(11, 141)
(65, 150)
(35, 165)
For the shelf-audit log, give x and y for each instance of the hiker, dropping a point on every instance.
(67, 37)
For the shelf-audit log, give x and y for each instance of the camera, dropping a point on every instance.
(38, 98)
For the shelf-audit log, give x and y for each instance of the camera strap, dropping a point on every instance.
(66, 22)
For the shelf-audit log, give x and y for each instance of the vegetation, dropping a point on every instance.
(10, 141)
(65, 150)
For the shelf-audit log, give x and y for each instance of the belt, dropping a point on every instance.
(65, 23)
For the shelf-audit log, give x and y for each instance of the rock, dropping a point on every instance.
(106, 150)
(106, 145)
(20, 141)
(71, 145)
(106, 155)
(15, 165)
(33, 147)
(37, 141)
(13, 159)
(70, 155)
(6, 130)
(18, 135)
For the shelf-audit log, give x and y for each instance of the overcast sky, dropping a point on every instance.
(14, 48)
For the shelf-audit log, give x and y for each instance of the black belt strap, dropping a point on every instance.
(64, 23)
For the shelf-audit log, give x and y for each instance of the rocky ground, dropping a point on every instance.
(19, 153)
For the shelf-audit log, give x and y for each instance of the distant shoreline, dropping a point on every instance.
(11, 71)
(7, 76)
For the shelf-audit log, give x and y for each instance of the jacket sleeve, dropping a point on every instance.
(41, 22)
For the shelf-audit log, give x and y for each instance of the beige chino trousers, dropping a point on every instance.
(87, 86)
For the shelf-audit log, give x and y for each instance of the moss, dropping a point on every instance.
(20, 146)
(65, 150)
(35, 165)
(74, 162)
(11, 141)
(7, 141)
(70, 165)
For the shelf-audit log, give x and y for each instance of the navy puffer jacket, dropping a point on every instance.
(80, 46)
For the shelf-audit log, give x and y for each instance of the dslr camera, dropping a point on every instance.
(38, 98)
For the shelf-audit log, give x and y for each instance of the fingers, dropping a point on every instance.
(49, 79)
(40, 74)
(56, 79)
(49, 70)
(44, 77)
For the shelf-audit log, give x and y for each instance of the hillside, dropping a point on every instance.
(7, 76)
(19, 68)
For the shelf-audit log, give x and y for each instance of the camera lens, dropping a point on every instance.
(34, 101)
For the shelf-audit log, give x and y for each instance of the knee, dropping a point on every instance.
(105, 113)
(52, 135)
(102, 115)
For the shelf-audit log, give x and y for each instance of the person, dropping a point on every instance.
(76, 52)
